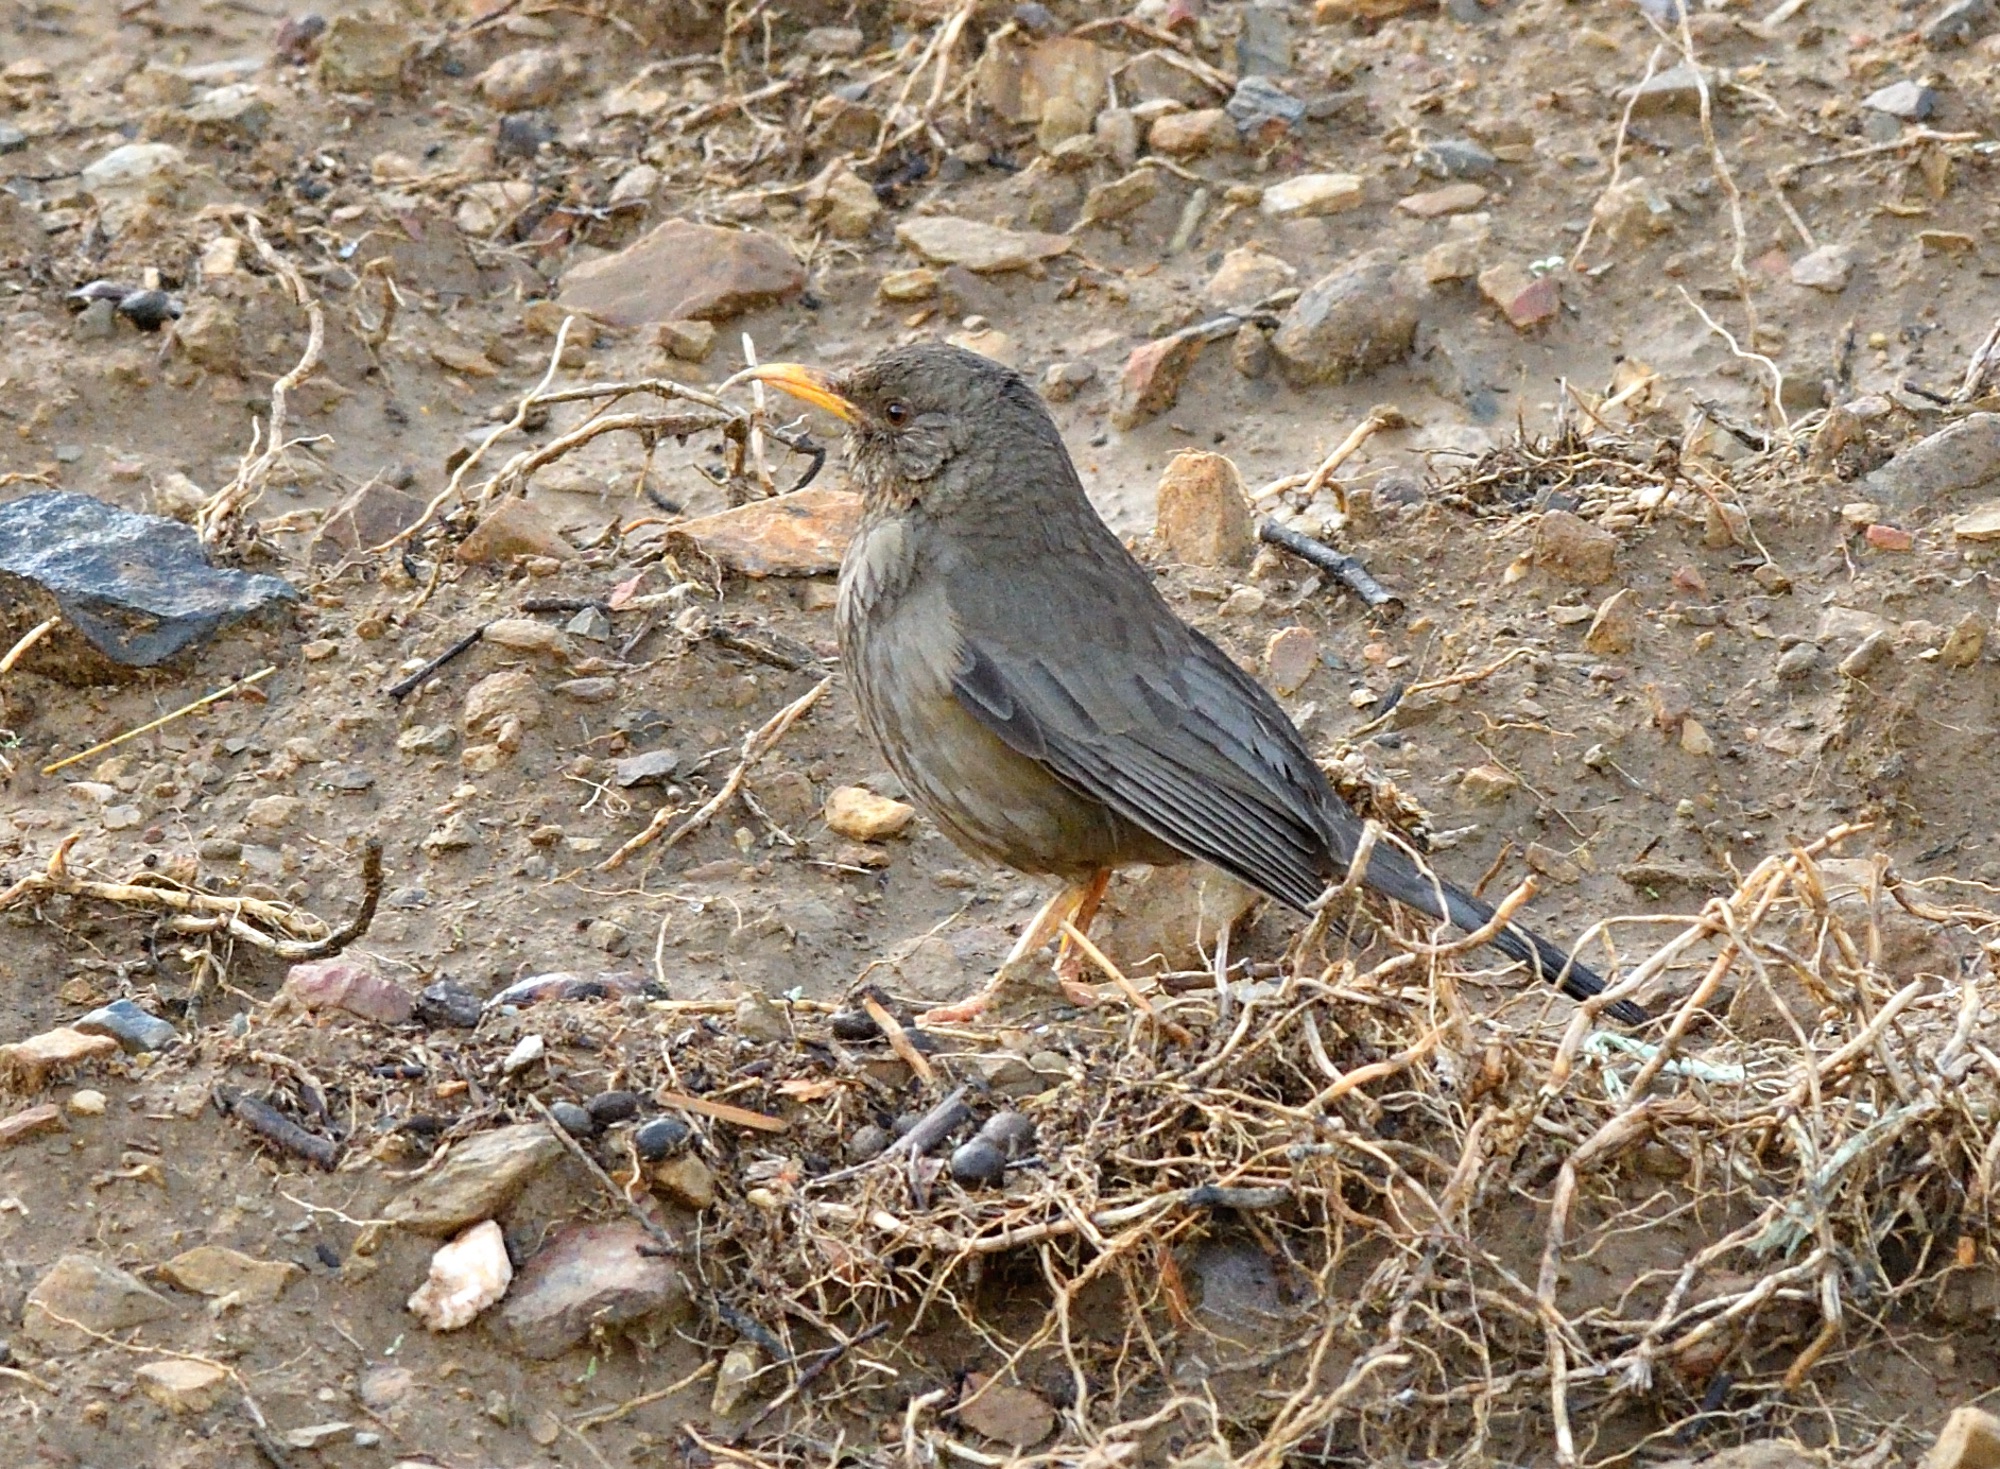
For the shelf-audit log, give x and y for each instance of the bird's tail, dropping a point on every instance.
(1394, 875)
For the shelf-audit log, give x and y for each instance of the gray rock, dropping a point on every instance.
(134, 1029)
(1961, 456)
(1264, 45)
(12, 139)
(1455, 158)
(588, 1276)
(1959, 23)
(1261, 108)
(138, 587)
(1360, 317)
(1677, 89)
(1911, 101)
(653, 768)
(82, 1291)
(682, 271)
(482, 1176)
(1824, 269)
(1797, 662)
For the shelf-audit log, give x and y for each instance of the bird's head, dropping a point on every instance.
(930, 423)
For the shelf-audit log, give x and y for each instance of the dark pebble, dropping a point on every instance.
(449, 1004)
(149, 310)
(904, 1121)
(661, 1136)
(522, 134)
(977, 1163)
(572, 1119)
(327, 1254)
(868, 1142)
(1011, 1132)
(853, 1025)
(610, 1107)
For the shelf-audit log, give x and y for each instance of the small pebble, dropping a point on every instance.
(660, 1137)
(978, 1163)
(854, 1025)
(1011, 1132)
(448, 1004)
(87, 1103)
(572, 1119)
(868, 1142)
(527, 1051)
(608, 1107)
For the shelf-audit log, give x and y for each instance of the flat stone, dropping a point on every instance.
(1677, 89)
(1451, 199)
(29, 1122)
(510, 696)
(1825, 269)
(1118, 198)
(466, 1276)
(1964, 643)
(1911, 101)
(1525, 299)
(1488, 784)
(589, 1276)
(1981, 523)
(685, 1180)
(1358, 318)
(134, 1029)
(532, 77)
(1263, 111)
(215, 1270)
(511, 529)
(1963, 455)
(138, 588)
(1290, 656)
(351, 985)
(844, 203)
(1970, 1440)
(94, 1295)
(1020, 83)
(1170, 917)
(1190, 134)
(1575, 550)
(28, 1064)
(242, 108)
(681, 271)
(862, 816)
(363, 52)
(1455, 158)
(1246, 276)
(181, 1385)
(1005, 1413)
(1203, 511)
(1311, 195)
(985, 249)
(686, 341)
(804, 533)
(1150, 382)
(483, 1175)
(1615, 626)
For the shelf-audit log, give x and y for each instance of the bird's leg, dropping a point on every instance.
(1064, 907)
(1069, 958)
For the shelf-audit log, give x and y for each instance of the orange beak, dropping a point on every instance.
(807, 384)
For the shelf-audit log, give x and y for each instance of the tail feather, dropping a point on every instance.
(1394, 875)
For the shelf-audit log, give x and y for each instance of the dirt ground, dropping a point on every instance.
(1632, 776)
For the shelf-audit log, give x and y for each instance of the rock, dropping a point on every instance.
(1118, 130)
(1911, 101)
(1190, 134)
(29, 1122)
(988, 343)
(1552, 864)
(1151, 380)
(1290, 657)
(1458, 255)
(512, 529)
(242, 109)
(1246, 276)
(1310, 195)
(1981, 523)
(526, 635)
(589, 1276)
(136, 589)
(365, 519)
(363, 52)
(1062, 381)
(214, 1270)
(1109, 202)
(843, 202)
(1203, 511)
(681, 271)
(1963, 455)
(1488, 784)
(526, 1052)
(27, 1065)
(917, 284)
(686, 1181)
(1868, 653)
(1574, 550)
(986, 249)
(1632, 211)
(1004, 1413)
(466, 1276)
(862, 816)
(92, 1294)
(446, 1004)
(1964, 643)
(527, 79)
(1264, 45)
(1695, 738)
(482, 1175)
(686, 341)
(183, 1385)
(1360, 317)
(1455, 158)
(273, 813)
(350, 985)
(1020, 83)
(132, 1028)
(1525, 299)
(1970, 1440)
(1797, 663)
(1436, 203)
(1615, 627)
(132, 174)
(804, 533)
(1958, 23)
(832, 41)
(1825, 269)
(733, 1380)
(316, 1436)
(637, 185)
(1677, 89)
(509, 697)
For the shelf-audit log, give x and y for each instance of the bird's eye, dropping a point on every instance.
(898, 412)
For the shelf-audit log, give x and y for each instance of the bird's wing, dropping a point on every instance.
(1166, 731)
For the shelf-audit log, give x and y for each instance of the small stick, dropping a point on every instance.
(722, 1111)
(206, 699)
(1117, 976)
(1349, 572)
(404, 687)
(930, 1129)
(667, 1243)
(33, 636)
(813, 1373)
(756, 745)
(277, 1129)
(1377, 420)
(899, 1039)
(357, 925)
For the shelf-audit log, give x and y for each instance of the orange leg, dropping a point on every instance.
(1069, 958)
(1074, 903)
